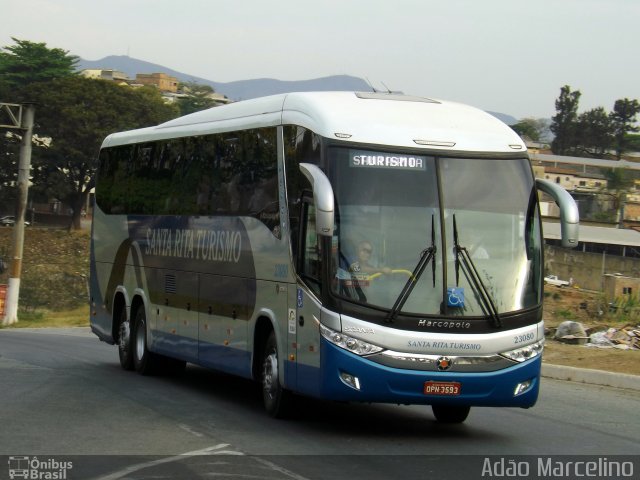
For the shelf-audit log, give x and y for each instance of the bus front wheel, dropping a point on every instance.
(450, 414)
(277, 400)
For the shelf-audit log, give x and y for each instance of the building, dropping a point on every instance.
(619, 286)
(572, 180)
(600, 251)
(105, 74)
(603, 252)
(164, 82)
(217, 98)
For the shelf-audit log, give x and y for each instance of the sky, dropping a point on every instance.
(508, 56)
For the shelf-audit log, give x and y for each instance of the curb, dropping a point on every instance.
(594, 377)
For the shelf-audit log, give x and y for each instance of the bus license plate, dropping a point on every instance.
(442, 388)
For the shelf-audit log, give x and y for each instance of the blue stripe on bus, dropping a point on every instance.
(218, 357)
(226, 359)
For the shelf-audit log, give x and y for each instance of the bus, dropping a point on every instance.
(349, 246)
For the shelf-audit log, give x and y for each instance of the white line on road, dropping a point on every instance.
(214, 450)
(280, 469)
(187, 428)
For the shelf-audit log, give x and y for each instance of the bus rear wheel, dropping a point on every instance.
(125, 348)
(144, 361)
(276, 399)
(450, 414)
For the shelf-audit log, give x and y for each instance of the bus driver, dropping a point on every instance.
(363, 264)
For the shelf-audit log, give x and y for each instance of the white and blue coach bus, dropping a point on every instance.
(359, 247)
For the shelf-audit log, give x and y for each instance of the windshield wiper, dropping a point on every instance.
(426, 256)
(474, 277)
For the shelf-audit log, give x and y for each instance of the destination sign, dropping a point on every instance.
(360, 159)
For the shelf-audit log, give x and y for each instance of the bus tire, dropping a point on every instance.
(125, 346)
(276, 399)
(144, 361)
(450, 413)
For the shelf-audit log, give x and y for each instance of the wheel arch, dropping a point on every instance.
(120, 300)
(138, 300)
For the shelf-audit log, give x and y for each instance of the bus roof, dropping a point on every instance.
(359, 117)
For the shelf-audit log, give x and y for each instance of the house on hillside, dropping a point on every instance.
(164, 82)
(618, 286)
(631, 213)
(106, 74)
(585, 187)
(572, 180)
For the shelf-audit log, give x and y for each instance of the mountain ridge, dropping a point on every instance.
(237, 90)
(243, 89)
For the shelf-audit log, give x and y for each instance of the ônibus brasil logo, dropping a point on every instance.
(33, 468)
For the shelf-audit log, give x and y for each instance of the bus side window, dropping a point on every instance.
(310, 251)
(301, 145)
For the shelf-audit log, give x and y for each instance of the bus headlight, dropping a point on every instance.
(351, 344)
(525, 353)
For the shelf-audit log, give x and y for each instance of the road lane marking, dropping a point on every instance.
(187, 428)
(278, 468)
(213, 450)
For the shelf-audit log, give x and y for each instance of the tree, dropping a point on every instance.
(197, 98)
(9, 149)
(623, 120)
(563, 124)
(594, 132)
(618, 183)
(534, 128)
(632, 141)
(77, 114)
(28, 62)
(21, 65)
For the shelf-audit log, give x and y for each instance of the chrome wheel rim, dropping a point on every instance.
(270, 375)
(141, 334)
(125, 336)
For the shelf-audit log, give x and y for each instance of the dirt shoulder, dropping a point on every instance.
(561, 304)
(610, 360)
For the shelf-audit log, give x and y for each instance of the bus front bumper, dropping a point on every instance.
(348, 377)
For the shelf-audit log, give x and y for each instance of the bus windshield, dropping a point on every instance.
(484, 223)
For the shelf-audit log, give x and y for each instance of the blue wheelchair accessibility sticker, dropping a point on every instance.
(300, 301)
(455, 297)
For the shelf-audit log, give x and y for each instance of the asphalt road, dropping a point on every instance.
(64, 396)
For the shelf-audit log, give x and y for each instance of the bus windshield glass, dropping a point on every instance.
(389, 215)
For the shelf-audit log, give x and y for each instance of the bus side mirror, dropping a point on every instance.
(569, 215)
(322, 197)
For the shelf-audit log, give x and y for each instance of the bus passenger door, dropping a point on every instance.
(308, 305)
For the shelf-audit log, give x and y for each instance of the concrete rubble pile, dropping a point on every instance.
(624, 338)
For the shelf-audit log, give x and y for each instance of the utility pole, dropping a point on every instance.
(22, 121)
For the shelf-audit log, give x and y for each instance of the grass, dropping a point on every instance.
(78, 317)
(566, 314)
(53, 287)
